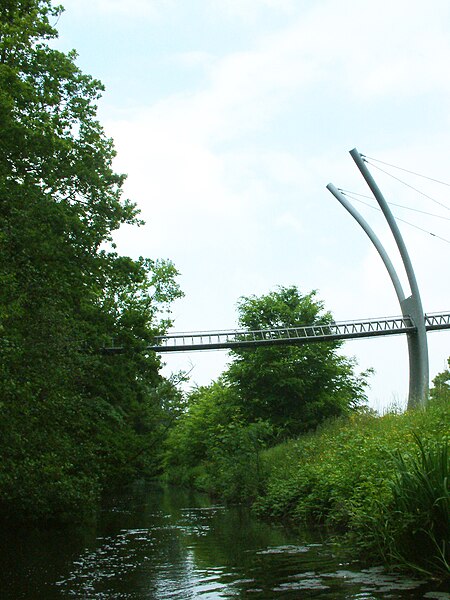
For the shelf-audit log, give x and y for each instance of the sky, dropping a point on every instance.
(230, 117)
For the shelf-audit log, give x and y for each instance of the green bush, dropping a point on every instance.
(420, 510)
(234, 469)
(213, 449)
(382, 480)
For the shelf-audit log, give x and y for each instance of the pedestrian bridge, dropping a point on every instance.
(240, 338)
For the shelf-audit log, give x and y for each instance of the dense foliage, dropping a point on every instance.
(383, 480)
(72, 419)
(266, 394)
(214, 448)
(293, 387)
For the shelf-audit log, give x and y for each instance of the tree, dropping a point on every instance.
(212, 447)
(441, 385)
(292, 387)
(72, 419)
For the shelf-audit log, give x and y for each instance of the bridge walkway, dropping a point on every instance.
(239, 338)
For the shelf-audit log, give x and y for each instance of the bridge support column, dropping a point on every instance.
(411, 306)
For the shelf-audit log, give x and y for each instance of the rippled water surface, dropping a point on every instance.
(166, 543)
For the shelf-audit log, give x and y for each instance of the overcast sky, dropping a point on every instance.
(231, 116)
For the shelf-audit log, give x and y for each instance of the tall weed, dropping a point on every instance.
(420, 511)
(382, 480)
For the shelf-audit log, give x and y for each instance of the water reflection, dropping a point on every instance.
(165, 543)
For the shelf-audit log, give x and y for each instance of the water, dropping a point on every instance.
(155, 543)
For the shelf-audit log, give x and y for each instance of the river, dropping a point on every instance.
(158, 543)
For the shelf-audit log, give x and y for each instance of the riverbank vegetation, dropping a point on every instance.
(383, 481)
(73, 420)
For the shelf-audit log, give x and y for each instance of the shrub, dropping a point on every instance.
(420, 510)
(382, 480)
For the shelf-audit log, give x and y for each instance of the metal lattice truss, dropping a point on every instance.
(437, 321)
(216, 340)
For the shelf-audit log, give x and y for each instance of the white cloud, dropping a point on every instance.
(385, 48)
(194, 58)
(238, 215)
(287, 220)
(249, 9)
(131, 9)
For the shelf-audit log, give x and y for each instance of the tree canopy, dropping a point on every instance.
(71, 418)
(294, 387)
(441, 384)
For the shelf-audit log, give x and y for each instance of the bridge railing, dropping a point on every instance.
(287, 335)
(241, 338)
(435, 321)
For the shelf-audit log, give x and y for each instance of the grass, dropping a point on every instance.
(420, 490)
(381, 480)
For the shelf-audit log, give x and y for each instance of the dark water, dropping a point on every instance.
(155, 543)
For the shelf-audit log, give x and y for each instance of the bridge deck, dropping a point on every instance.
(229, 339)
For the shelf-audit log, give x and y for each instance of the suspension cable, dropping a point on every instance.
(408, 185)
(424, 212)
(398, 219)
(406, 170)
